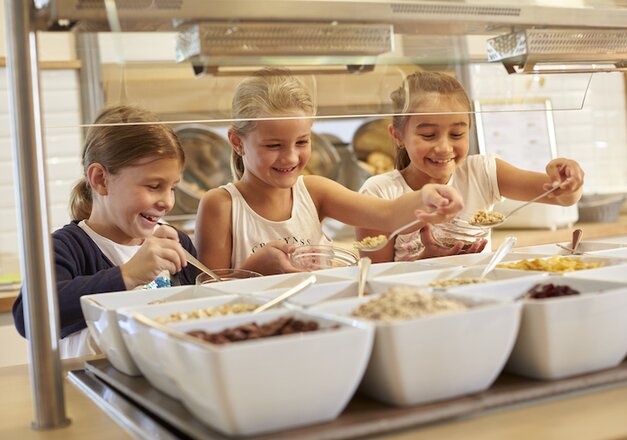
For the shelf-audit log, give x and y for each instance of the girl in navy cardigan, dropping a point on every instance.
(131, 164)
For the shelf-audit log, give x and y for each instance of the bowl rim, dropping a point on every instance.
(180, 336)
(476, 303)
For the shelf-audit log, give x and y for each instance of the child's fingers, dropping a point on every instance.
(165, 231)
(169, 250)
(282, 246)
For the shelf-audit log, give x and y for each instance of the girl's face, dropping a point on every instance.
(135, 199)
(275, 152)
(436, 144)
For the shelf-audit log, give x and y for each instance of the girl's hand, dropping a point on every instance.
(271, 259)
(570, 173)
(442, 202)
(433, 249)
(161, 251)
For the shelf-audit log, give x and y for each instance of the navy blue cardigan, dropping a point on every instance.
(82, 269)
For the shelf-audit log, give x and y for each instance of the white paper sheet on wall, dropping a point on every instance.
(523, 137)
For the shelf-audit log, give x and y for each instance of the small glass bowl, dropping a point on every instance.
(447, 234)
(227, 275)
(314, 257)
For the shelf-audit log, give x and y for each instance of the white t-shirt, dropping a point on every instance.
(250, 231)
(80, 343)
(475, 179)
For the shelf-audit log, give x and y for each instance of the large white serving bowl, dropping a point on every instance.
(565, 336)
(613, 253)
(100, 314)
(616, 273)
(480, 258)
(141, 346)
(320, 293)
(584, 246)
(268, 384)
(271, 282)
(424, 278)
(588, 258)
(436, 357)
(383, 269)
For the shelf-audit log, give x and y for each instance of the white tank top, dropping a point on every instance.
(251, 231)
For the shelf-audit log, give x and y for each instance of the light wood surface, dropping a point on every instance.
(591, 232)
(16, 413)
(52, 65)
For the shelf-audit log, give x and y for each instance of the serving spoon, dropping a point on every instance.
(508, 215)
(498, 256)
(577, 234)
(363, 265)
(293, 291)
(194, 262)
(382, 240)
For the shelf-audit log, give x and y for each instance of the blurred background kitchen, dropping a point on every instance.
(525, 118)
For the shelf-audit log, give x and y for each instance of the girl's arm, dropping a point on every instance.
(363, 211)
(213, 229)
(518, 184)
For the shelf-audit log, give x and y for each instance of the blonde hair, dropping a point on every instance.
(415, 90)
(119, 146)
(267, 93)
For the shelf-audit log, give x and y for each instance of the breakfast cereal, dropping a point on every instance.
(405, 303)
(486, 218)
(557, 263)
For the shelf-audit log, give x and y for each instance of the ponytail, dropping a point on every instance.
(80, 200)
(401, 160)
(237, 165)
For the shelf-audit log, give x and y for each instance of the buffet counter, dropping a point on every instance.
(595, 410)
(591, 232)
(597, 413)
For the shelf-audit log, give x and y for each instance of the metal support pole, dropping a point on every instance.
(37, 266)
(90, 74)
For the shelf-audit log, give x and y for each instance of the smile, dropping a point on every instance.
(150, 218)
(441, 161)
(285, 170)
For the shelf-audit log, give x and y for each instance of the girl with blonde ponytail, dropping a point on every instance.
(270, 201)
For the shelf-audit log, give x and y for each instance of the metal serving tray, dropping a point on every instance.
(147, 413)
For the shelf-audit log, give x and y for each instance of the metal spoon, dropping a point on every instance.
(387, 239)
(500, 253)
(294, 290)
(363, 265)
(508, 215)
(194, 262)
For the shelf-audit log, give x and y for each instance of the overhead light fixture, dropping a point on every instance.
(560, 51)
(211, 47)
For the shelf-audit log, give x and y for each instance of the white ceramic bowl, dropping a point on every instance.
(383, 269)
(565, 336)
(616, 273)
(603, 261)
(436, 357)
(271, 282)
(480, 258)
(584, 246)
(268, 384)
(613, 253)
(141, 346)
(100, 314)
(424, 278)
